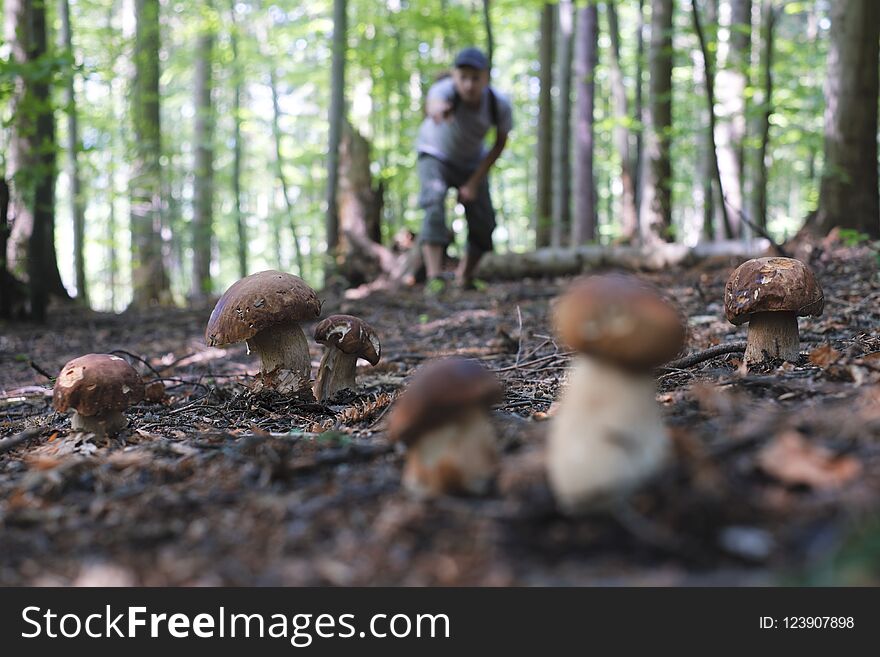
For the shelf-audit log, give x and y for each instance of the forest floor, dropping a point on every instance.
(777, 479)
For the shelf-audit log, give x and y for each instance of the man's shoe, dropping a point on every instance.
(473, 284)
(434, 287)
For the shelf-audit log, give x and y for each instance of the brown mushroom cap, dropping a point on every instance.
(620, 319)
(350, 335)
(766, 285)
(97, 383)
(258, 301)
(439, 392)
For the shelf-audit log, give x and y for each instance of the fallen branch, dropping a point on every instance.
(705, 354)
(575, 260)
(7, 444)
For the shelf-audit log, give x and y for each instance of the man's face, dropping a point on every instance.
(470, 83)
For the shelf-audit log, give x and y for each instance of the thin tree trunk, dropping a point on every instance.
(730, 125)
(763, 101)
(543, 216)
(656, 214)
(490, 41)
(337, 115)
(707, 141)
(710, 101)
(848, 192)
(629, 212)
(241, 233)
(149, 279)
(203, 181)
(76, 194)
(279, 172)
(583, 227)
(639, 111)
(562, 129)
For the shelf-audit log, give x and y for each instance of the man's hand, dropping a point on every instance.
(467, 193)
(439, 110)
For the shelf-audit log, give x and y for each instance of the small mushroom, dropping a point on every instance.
(770, 294)
(265, 309)
(98, 387)
(443, 419)
(345, 339)
(607, 436)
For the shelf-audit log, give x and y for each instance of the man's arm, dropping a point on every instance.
(439, 109)
(467, 193)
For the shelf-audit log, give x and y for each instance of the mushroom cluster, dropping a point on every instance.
(443, 419)
(97, 388)
(607, 436)
(265, 310)
(770, 294)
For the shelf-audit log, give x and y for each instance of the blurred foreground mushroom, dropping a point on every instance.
(443, 419)
(98, 387)
(607, 436)
(770, 294)
(345, 339)
(265, 309)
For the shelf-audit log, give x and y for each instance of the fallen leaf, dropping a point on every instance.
(791, 459)
(824, 356)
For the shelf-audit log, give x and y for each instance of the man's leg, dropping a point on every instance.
(480, 217)
(433, 256)
(432, 199)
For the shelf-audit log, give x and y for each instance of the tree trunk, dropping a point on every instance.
(282, 179)
(707, 138)
(30, 163)
(490, 39)
(543, 216)
(639, 113)
(241, 233)
(562, 129)
(360, 210)
(656, 212)
(710, 102)
(730, 126)
(337, 115)
(848, 192)
(149, 279)
(76, 194)
(203, 180)
(763, 102)
(583, 226)
(569, 261)
(628, 213)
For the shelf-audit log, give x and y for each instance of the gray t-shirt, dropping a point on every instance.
(459, 140)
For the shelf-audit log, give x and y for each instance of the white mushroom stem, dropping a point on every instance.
(773, 333)
(283, 347)
(461, 456)
(100, 425)
(337, 371)
(606, 438)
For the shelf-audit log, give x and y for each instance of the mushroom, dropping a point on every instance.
(443, 419)
(607, 436)
(345, 339)
(98, 387)
(770, 294)
(264, 309)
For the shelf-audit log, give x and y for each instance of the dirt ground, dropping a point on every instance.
(777, 479)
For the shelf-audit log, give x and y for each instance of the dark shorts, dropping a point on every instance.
(435, 179)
